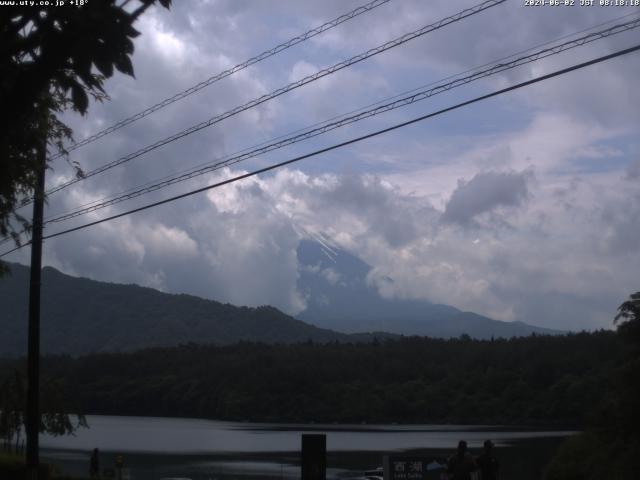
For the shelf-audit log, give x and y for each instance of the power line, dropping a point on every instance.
(402, 102)
(343, 144)
(307, 132)
(361, 109)
(152, 184)
(292, 86)
(226, 73)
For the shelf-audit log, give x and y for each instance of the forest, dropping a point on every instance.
(554, 381)
(583, 381)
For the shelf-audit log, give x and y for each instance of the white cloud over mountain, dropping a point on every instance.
(522, 207)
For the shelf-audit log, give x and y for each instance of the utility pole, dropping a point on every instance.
(33, 348)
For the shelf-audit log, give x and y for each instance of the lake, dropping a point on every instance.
(154, 448)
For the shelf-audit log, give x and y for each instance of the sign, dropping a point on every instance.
(413, 467)
(314, 457)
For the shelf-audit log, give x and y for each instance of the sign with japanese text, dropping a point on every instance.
(413, 467)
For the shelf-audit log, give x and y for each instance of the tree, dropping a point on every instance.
(12, 400)
(54, 420)
(53, 59)
(629, 311)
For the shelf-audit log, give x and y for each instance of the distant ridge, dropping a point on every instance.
(334, 283)
(81, 316)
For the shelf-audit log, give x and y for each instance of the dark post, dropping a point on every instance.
(314, 457)
(33, 348)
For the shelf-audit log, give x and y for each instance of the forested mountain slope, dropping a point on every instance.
(81, 315)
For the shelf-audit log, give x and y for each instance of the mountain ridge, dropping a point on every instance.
(81, 315)
(340, 297)
(129, 317)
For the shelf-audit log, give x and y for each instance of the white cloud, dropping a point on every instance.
(565, 264)
(564, 258)
(171, 241)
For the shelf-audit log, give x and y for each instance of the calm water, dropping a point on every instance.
(154, 448)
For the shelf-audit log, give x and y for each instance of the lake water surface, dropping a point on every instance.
(154, 448)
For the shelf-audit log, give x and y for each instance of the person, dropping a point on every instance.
(94, 464)
(119, 465)
(488, 463)
(461, 464)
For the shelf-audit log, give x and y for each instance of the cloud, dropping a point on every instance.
(331, 276)
(565, 264)
(557, 163)
(484, 193)
(633, 171)
(621, 222)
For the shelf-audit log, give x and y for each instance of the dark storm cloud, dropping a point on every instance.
(485, 192)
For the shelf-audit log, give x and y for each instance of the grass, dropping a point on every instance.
(12, 467)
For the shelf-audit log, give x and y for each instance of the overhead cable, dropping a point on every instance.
(280, 91)
(226, 73)
(256, 150)
(343, 144)
(402, 102)
(343, 115)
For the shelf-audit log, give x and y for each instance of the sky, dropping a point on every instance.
(522, 207)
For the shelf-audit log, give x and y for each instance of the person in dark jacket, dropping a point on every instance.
(488, 463)
(461, 464)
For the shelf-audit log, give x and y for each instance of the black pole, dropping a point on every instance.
(33, 350)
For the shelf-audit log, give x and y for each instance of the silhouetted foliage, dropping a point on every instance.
(53, 59)
(629, 313)
(611, 446)
(54, 420)
(12, 467)
(544, 380)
